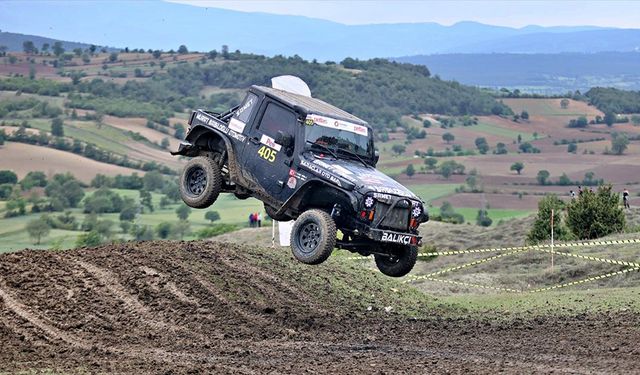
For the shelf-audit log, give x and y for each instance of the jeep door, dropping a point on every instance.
(266, 162)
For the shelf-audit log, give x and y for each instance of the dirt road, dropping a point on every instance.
(176, 307)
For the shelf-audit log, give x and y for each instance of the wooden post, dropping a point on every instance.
(552, 239)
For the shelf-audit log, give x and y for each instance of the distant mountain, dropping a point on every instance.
(543, 73)
(162, 25)
(13, 42)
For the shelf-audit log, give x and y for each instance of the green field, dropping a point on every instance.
(470, 214)
(432, 191)
(13, 235)
(503, 132)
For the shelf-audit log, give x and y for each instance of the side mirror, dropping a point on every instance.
(286, 140)
(376, 157)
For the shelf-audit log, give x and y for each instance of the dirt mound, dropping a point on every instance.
(212, 307)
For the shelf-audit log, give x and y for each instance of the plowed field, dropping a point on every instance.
(177, 307)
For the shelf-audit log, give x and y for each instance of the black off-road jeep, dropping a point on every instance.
(310, 162)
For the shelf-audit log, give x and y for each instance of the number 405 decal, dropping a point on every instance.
(267, 153)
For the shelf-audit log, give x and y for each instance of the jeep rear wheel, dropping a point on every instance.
(313, 237)
(399, 262)
(200, 182)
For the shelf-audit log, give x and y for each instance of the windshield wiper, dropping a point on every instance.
(354, 154)
(324, 148)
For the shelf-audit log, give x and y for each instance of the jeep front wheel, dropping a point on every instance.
(313, 237)
(399, 262)
(200, 182)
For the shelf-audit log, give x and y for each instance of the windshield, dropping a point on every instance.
(341, 136)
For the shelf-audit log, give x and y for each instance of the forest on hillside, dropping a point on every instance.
(376, 90)
(608, 99)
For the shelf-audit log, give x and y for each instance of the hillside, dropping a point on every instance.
(537, 73)
(14, 42)
(214, 307)
(312, 38)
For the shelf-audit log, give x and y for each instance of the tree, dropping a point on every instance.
(580, 122)
(183, 49)
(501, 149)
(113, 57)
(179, 131)
(8, 177)
(524, 115)
(58, 49)
(609, 118)
(541, 230)
(153, 181)
(77, 52)
(129, 209)
(212, 216)
(164, 230)
(33, 179)
(517, 166)
(157, 54)
(57, 127)
(410, 171)
(482, 145)
(483, 218)
(619, 143)
(28, 47)
(45, 48)
(181, 228)
(543, 176)
(635, 119)
(572, 148)
(145, 199)
(596, 214)
(164, 143)
(426, 124)
(398, 149)
(225, 52)
(38, 228)
(183, 211)
(448, 137)
(92, 49)
(564, 103)
(431, 163)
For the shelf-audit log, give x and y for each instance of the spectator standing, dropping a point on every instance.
(625, 198)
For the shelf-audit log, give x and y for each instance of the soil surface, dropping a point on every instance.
(178, 307)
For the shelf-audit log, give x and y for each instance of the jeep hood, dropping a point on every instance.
(353, 175)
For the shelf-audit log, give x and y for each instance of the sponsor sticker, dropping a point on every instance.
(270, 142)
(338, 124)
(220, 127)
(236, 125)
(292, 182)
(404, 239)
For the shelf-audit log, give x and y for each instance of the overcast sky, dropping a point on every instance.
(624, 14)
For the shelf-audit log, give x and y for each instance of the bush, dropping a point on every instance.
(102, 201)
(541, 230)
(596, 214)
(483, 218)
(215, 230)
(8, 177)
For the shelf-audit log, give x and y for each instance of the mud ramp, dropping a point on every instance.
(179, 307)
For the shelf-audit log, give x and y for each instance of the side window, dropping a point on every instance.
(277, 118)
(248, 105)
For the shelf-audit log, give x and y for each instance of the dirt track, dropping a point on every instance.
(194, 307)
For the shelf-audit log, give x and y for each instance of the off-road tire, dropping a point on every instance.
(313, 237)
(200, 182)
(400, 263)
(272, 214)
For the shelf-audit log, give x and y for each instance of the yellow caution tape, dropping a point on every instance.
(582, 281)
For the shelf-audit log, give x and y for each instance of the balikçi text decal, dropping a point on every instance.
(396, 238)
